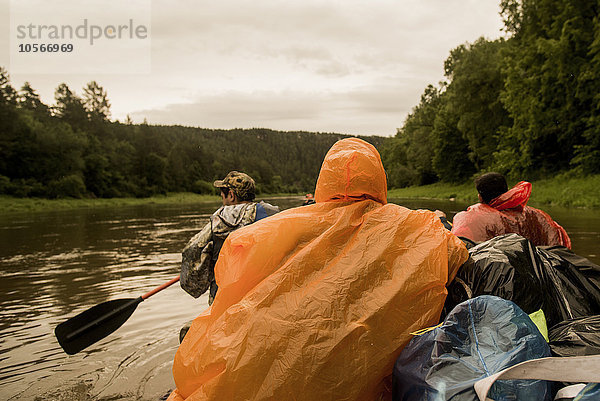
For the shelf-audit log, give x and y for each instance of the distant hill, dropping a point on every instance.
(73, 150)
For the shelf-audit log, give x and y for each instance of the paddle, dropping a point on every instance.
(99, 321)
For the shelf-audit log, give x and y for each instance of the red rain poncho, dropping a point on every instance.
(317, 302)
(509, 213)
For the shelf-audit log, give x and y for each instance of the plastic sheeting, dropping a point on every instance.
(576, 337)
(590, 392)
(534, 278)
(317, 302)
(509, 213)
(539, 319)
(478, 338)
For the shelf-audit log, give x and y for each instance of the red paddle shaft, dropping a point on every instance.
(160, 288)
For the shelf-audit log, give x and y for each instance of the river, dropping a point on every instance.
(54, 265)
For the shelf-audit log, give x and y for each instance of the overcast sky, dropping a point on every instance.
(355, 67)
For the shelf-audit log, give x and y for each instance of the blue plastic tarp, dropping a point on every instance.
(478, 338)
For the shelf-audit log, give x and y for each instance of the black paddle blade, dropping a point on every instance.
(94, 324)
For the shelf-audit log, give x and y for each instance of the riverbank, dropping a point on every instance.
(558, 191)
(12, 204)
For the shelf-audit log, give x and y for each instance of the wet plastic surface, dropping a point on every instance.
(561, 283)
(509, 213)
(576, 337)
(478, 338)
(591, 392)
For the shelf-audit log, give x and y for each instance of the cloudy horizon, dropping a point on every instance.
(353, 67)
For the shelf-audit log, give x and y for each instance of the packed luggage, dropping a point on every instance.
(502, 304)
(480, 337)
(554, 279)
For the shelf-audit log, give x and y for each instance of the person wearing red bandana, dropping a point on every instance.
(503, 211)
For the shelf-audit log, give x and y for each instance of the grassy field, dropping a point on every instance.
(557, 191)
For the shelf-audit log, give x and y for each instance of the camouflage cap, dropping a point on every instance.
(241, 184)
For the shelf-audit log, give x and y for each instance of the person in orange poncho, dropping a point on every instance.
(316, 302)
(502, 211)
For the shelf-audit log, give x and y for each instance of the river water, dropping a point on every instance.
(54, 265)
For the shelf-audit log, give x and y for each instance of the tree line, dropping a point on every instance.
(72, 149)
(526, 105)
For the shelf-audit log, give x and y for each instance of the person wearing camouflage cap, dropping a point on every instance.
(199, 256)
(237, 188)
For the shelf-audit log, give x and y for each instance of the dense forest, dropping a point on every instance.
(72, 149)
(526, 105)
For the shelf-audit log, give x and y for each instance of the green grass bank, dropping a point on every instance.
(558, 191)
(11, 204)
(581, 192)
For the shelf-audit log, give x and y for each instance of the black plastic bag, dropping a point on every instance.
(576, 337)
(478, 338)
(583, 265)
(564, 285)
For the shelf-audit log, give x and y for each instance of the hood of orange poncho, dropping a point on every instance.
(317, 302)
(352, 170)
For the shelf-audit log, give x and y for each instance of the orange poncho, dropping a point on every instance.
(509, 213)
(318, 301)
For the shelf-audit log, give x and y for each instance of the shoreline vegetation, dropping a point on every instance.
(505, 105)
(561, 190)
(10, 204)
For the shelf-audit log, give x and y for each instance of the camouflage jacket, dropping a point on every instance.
(200, 254)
